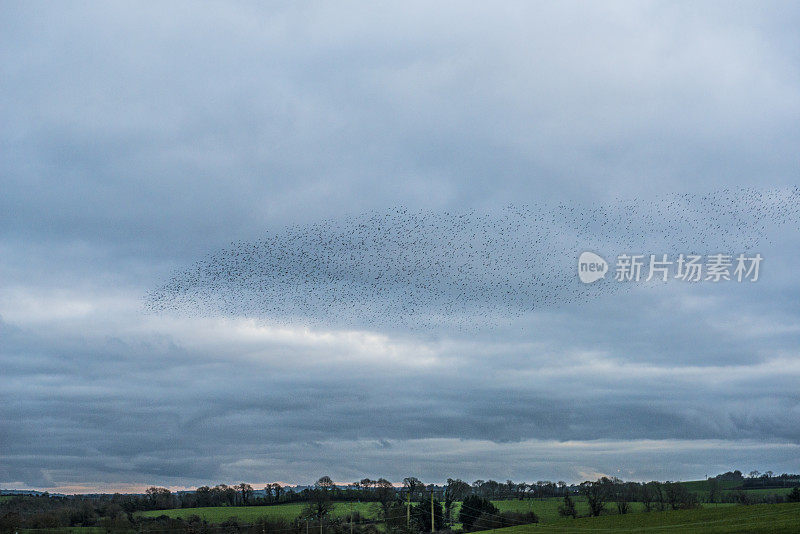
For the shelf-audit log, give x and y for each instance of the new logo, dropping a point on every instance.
(591, 267)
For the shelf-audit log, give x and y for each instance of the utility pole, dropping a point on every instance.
(446, 509)
(433, 524)
(408, 509)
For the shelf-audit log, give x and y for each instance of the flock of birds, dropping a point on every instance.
(424, 269)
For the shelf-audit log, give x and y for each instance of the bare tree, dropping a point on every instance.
(413, 485)
(385, 493)
(246, 491)
(320, 505)
(159, 498)
(596, 494)
(568, 508)
(713, 489)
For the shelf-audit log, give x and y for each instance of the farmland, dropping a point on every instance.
(247, 514)
(760, 518)
(703, 487)
(546, 509)
(65, 530)
(226, 507)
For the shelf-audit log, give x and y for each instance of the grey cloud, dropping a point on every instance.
(166, 133)
(136, 140)
(144, 418)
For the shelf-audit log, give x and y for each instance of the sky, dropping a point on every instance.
(138, 141)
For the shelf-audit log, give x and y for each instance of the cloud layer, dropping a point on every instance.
(137, 141)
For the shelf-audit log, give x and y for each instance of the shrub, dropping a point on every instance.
(472, 508)
(568, 508)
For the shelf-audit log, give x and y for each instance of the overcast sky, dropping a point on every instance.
(136, 139)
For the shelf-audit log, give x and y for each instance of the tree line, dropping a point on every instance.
(412, 507)
(364, 490)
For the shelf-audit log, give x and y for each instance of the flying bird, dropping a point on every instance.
(463, 270)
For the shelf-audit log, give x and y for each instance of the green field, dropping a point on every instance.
(546, 509)
(711, 518)
(702, 487)
(720, 518)
(755, 519)
(64, 530)
(768, 491)
(248, 514)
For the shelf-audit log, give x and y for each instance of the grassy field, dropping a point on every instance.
(247, 514)
(702, 487)
(724, 517)
(768, 491)
(711, 518)
(755, 519)
(64, 530)
(546, 509)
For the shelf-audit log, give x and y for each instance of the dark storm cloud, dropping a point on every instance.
(135, 140)
(108, 412)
